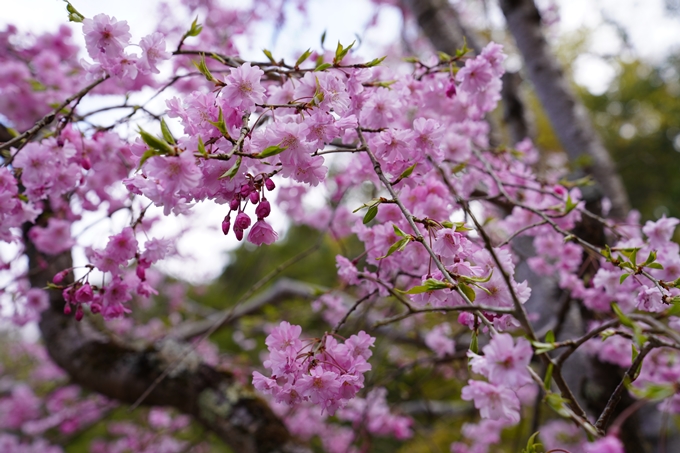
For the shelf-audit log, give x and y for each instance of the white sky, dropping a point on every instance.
(652, 31)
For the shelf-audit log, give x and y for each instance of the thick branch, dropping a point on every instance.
(567, 115)
(213, 397)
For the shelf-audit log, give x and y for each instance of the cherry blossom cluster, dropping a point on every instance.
(325, 372)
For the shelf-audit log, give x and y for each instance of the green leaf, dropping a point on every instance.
(444, 57)
(156, 143)
(323, 38)
(474, 342)
(370, 214)
(653, 392)
(570, 205)
(221, 124)
(195, 29)
(542, 348)
(167, 135)
(550, 337)
(623, 278)
(548, 376)
(268, 54)
(396, 247)
(398, 231)
(201, 147)
(468, 279)
(323, 67)
(303, 57)
(458, 168)
(428, 285)
(469, 292)
(650, 258)
(341, 52)
(557, 403)
(203, 69)
(272, 151)
(375, 62)
(625, 320)
(233, 170)
(73, 14)
(606, 252)
(674, 310)
(655, 266)
(406, 173)
(147, 154)
(532, 445)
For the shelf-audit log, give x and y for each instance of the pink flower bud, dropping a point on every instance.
(141, 272)
(234, 203)
(79, 313)
(84, 294)
(263, 209)
(450, 89)
(60, 276)
(242, 221)
(85, 163)
(226, 224)
(67, 309)
(238, 233)
(269, 184)
(254, 197)
(95, 307)
(245, 190)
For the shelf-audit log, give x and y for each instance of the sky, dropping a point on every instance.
(651, 30)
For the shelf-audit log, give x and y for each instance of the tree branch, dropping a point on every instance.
(566, 113)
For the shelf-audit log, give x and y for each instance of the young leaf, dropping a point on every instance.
(323, 67)
(370, 214)
(375, 62)
(398, 231)
(156, 143)
(268, 54)
(396, 247)
(625, 320)
(221, 124)
(303, 57)
(474, 342)
(167, 135)
(548, 376)
(428, 285)
(201, 147)
(271, 151)
(233, 170)
(73, 14)
(469, 292)
(623, 278)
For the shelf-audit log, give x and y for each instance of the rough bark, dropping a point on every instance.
(124, 373)
(567, 114)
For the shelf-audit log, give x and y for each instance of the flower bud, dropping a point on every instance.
(60, 276)
(67, 309)
(450, 89)
(234, 203)
(238, 233)
(242, 221)
(254, 197)
(263, 209)
(269, 184)
(226, 224)
(245, 190)
(84, 294)
(79, 313)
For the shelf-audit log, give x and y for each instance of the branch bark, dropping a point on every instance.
(566, 113)
(212, 397)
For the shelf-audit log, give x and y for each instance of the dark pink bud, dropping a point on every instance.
(226, 223)
(269, 184)
(95, 307)
(242, 221)
(141, 272)
(245, 190)
(67, 309)
(67, 294)
(79, 313)
(60, 276)
(450, 89)
(85, 163)
(238, 233)
(84, 294)
(263, 209)
(234, 204)
(254, 197)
